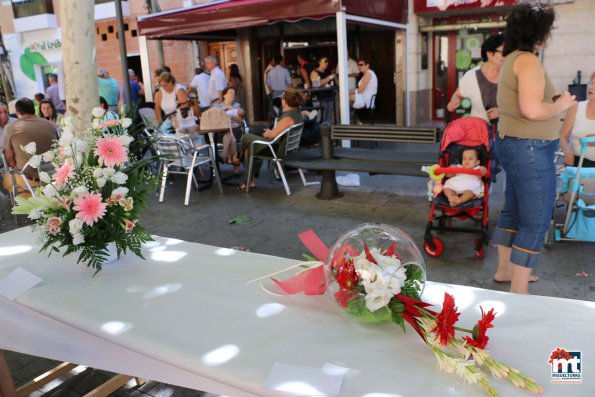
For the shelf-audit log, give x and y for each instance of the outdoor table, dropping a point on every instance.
(211, 132)
(185, 316)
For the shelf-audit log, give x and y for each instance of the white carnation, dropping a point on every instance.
(97, 173)
(119, 178)
(45, 177)
(125, 122)
(67, 122)
(121, 191)
(96, 123)
(66, 138)
(50, 190)
(101, 182)
(108, 172)
(68, 151)
(80, 145)
(30, 148)
(75, 225)
(125, 139)
(98, 112)
(80, 190)
(78, 238)
(34, 161)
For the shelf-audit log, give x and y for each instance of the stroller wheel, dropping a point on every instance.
(438, 247)
(479, 249)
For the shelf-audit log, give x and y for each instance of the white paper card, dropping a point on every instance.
(309, 381)
(17, 282)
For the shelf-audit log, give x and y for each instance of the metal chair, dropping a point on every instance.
(181, 157)
(292, 135)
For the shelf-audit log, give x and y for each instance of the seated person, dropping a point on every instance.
(28, 128)
(460, 188)
(109, 114)
(290, 101)
(236, 114)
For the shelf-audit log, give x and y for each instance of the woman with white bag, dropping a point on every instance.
(366, 88)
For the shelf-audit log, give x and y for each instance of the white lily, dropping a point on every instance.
(49, 190)
(45, 177)
(119, 178)
(75, 225)
(125, 122)
(35, 161)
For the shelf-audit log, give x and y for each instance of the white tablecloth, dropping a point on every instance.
(185, 317)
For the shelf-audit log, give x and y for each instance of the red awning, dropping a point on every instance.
(233, 14)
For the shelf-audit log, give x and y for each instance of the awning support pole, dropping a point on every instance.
(145, 67)
(123, 56)
(342, 69)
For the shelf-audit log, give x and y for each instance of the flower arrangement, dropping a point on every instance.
(93, 192)
(375, 273)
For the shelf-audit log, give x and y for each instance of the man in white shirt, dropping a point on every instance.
(217, 81)
(352, 72)
(200, 83)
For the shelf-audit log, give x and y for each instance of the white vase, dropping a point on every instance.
(112, 253)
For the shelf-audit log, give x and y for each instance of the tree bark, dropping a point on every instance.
(77, 20)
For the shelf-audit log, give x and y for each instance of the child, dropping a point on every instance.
(460, 188)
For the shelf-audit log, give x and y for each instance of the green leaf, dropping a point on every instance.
(238, 220)
(35, 57)
(27, 66)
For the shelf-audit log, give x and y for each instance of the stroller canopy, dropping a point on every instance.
(466, 131)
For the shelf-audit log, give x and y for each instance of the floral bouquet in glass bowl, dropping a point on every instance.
(91, 195)
(375, 273)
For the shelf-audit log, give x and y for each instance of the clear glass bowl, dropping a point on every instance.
(369, 265)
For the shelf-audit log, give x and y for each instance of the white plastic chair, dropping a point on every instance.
(180, 154)
(293, 135)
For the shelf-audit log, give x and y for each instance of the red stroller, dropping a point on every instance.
(461, 134)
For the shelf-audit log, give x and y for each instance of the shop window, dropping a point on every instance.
(23, 8)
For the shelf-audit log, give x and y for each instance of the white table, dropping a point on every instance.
(185, 317)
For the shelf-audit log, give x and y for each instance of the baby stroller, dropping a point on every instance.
(578, 191)
(459, 135)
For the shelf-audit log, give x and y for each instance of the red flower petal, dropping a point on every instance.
(369, 255)
(446, 320)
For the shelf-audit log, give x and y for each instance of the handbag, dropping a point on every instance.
(359, 102)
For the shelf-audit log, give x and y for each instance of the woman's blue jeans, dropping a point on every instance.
(529, 197)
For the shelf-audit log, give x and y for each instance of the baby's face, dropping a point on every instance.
(470, 159)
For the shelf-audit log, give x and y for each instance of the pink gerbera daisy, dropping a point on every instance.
(110, 151)
(63, 174)
(90, 208)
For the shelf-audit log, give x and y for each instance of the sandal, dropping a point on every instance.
(242, 186)
(235, 163)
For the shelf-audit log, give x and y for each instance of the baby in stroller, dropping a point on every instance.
(460, 188)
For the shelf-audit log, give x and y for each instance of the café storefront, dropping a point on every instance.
(316, 28)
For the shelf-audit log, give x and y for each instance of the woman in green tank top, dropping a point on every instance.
(526, 143)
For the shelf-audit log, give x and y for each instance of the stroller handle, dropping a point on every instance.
(585, 142)
(456, 170)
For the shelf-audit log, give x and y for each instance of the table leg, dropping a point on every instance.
(7, 388)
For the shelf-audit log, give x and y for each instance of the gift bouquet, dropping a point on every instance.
(92, 192)
(375, 273)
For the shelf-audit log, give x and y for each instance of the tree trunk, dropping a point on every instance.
(78, 53)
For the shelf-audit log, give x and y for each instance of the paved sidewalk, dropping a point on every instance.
(277, 219)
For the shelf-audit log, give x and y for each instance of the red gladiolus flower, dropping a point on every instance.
(480, 339)
(346, 276)
(446, 320)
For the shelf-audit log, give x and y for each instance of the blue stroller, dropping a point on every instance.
(578, 190)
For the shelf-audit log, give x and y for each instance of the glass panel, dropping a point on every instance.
(27, 8)
(440, 74)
